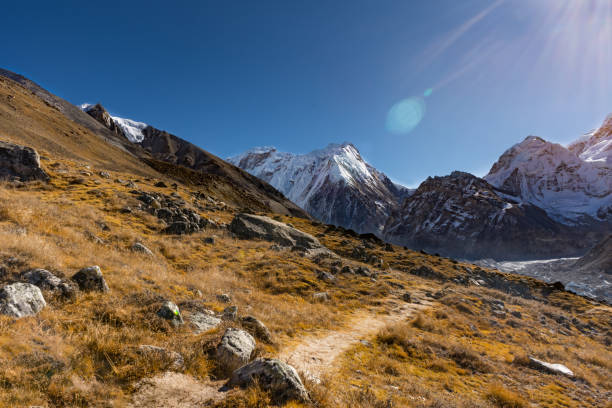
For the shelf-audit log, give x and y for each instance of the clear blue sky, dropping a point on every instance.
(229, 75)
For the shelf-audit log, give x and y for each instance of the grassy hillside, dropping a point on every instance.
(82, 352)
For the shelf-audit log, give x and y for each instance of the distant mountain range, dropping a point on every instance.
(540, 199)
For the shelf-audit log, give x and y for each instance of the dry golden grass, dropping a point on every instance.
(83, 353)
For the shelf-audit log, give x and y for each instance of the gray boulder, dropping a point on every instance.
(21, 299)
(171, 359)
(230, 313)
(321, 297)
(42, 278)
(20, 163)
(256, 328)
(138, 247)
(234, 350)
(171, 312)
(45, 280)
(203, 322)
(248, 226)
(274, 376)
(91, 279)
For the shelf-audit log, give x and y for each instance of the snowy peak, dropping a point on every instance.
(596, 147)
(334, 184)
(569, 183)
(131, 129)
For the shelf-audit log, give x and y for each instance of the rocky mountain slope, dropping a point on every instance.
(573, 184)
(463, 215)
(181, 155)
(334, 184)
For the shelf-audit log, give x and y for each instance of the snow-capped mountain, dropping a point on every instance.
(334, 184)
(131, 129)
(573, 184)
(463, 215)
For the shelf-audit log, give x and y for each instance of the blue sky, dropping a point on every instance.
(298, 75)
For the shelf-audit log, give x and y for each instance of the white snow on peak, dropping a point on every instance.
(596, 146)
(299, 176)
(131, 128)
(567, 182)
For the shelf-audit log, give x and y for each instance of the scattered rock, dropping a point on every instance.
(230, 313)
(42, 278)
(224, 297)
(549, 367)
(90, 279)
(21, 299)
(104, 174)
(172, 359)
(274, 376)
(209, 240)
(348, 270)
(161, 184)
(257, 328)
(234, 350)
(406, 297)
(171, 312)
(20, 163)
(180, 228)
(321, 297)
(363, 271)
(138, 247)
(326, 277)
(203, 322)
(516, 314)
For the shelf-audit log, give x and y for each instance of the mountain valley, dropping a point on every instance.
(139, 270)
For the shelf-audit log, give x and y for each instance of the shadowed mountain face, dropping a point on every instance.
(34, 117)
(463, 215)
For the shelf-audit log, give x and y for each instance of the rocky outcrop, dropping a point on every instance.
(203, 321)
(464, 216)
(45, 280)
(20, 163)
(256, 328)
(335, 185)
(279, 379)
(100, 114)
(20, 300)
(91, 279)
(170, 311)
(234, 350)
(248, 226)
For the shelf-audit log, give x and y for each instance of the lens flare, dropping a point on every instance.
(427, 92)
(405, 115)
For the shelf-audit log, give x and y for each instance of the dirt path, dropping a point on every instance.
(175, 390)
(315, 355)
